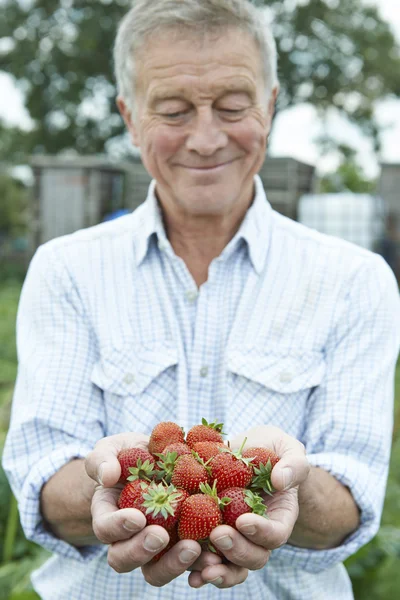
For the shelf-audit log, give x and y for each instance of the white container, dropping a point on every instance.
(357, 218)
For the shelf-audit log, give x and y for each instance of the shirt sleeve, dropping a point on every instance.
(57, 413)
(350, 415)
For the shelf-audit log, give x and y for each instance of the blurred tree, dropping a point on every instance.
(333, 53)
(349, 176)
(13, 206)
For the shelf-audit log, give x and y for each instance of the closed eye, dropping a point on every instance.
(175, 115)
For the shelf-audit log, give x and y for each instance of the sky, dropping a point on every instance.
(295, 130)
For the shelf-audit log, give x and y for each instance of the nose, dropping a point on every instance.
(206, 136)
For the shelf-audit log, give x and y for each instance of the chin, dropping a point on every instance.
(208, 209)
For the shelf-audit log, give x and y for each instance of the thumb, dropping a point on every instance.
(102, 464)
(293, 467)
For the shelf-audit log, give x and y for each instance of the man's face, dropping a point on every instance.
(202, 120)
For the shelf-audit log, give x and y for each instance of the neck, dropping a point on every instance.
(198, 240)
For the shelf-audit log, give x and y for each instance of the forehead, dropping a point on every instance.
(226, 59)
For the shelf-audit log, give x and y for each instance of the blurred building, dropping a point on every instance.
(74, 193)
(389, 188)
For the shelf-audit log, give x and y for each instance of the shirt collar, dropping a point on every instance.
(150, 225)
(255, 229)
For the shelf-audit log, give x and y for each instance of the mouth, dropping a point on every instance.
(211, 169)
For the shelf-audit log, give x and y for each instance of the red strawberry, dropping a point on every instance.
(163, 434)
(132, 493)
(238, 501)
(263, 462)
(199, 516)
(230, 469)
(206, 432)
(206, 450)
(189, 473)
(161, 504)
(177, 447)
(261, 455)
(135, 464)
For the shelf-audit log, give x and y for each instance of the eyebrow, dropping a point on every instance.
(165, 95)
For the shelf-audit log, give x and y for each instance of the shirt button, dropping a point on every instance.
(129, 378)
(204, 371)
(192, 296)
(286, 377)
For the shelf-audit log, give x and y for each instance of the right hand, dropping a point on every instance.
(132, 543)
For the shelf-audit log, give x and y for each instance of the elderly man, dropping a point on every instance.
(203, 302)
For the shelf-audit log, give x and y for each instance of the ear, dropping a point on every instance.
(126, 114)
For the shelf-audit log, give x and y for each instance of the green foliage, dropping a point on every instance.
(9, 295)
(349, 176)
(375, 569)
(13, 207)
(332, 53)
(336, 53)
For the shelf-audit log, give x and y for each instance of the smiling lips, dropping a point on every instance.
(211, 168)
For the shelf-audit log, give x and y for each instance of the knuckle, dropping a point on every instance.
(244, 576)
(281, 541)
(242, 556)
(260, 562)
(151, 580)
(100, 533)
(114, 564)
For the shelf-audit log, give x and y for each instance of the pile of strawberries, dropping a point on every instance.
(191, 486)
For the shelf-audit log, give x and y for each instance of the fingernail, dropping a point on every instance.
(225, 543)
(131, 526)
(218, 581)
(187, 556)
(153, 543)
(287, 477)
(100, 474)
(248, 529)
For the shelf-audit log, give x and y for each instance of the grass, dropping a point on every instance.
(375, 569)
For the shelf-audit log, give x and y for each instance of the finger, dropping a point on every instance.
(238, 549)
(221, 576)
(102, 464)
(274, 531)
(206, 559)
(293, 467)
(127, 555)
(111, 524)
(175, 562)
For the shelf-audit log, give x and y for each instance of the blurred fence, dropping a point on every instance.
(71, 194)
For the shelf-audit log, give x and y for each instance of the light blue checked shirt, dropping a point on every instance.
(293, 328)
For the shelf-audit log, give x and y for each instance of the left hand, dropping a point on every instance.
(251, 546)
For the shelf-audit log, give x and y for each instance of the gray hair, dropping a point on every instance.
(146, 17)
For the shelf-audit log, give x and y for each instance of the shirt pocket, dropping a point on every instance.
(138, 382)
(272, 387)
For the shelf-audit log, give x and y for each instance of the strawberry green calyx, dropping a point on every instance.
(256, 503)
(262, 478)
(143, 470)
(206, 489)
(217, 426)
(201, 461)
(238, 453)
(159, 499)
(166, 465)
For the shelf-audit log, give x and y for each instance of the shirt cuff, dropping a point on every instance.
(29, 505)
(360, 481)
